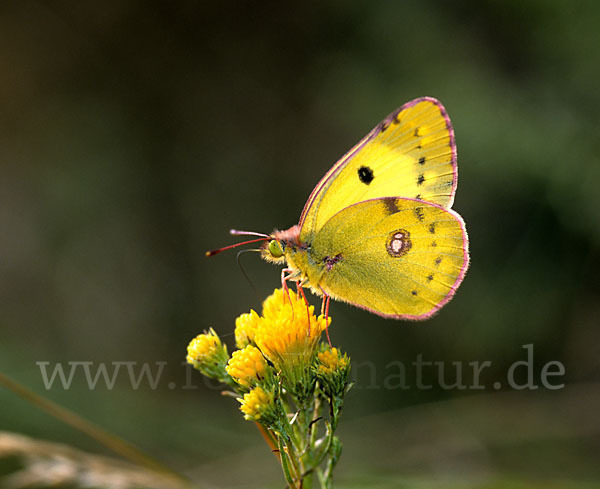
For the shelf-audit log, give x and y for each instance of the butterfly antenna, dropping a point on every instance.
(218, 250)
(237, 232)
(239, 262)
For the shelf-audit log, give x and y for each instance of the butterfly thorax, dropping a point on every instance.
(288, 237)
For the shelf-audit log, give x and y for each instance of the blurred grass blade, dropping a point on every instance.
(112, 442)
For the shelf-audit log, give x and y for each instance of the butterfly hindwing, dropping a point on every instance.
(411, 153)
(396, 257)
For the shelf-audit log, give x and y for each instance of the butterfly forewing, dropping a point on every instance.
(396, 257)
(410, 154)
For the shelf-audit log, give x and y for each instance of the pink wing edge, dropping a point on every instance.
(372, 134)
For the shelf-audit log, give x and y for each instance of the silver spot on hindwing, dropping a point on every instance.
(399, 243)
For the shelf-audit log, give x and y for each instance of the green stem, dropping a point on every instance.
(312, 425)
(327, 441)
(286, 464)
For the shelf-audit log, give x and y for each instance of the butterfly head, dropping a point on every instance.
(274, 250)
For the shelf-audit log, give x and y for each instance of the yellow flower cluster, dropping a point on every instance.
(245, 326)
(333, 371)
(284, 377)
(288, 330)
(203, 347)
(207, 354)
(255, 404)
(247, 366)
(331, 360)
(285, 337)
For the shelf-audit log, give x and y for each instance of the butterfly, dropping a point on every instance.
(378, 230)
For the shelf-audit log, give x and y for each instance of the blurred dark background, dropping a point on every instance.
(134, 135)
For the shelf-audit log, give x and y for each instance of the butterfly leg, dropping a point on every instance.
(301, 293)
(325, 309)
(284, 285)
(293, 274)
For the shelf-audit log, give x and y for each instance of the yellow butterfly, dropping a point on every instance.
(377, 231)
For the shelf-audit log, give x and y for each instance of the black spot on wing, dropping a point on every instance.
(432, 228)
(422, 160)
(365, 175)
(414, 292)
(421, 179)
(438, 260)
(419, 213)
(430, 278)
(391, 207)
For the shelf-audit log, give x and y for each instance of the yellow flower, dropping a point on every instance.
(331, 360)
(203, 347)
(265, 407)
(288, 333)
(247, 366)
(333, 372)
(278, 300)
(256, 404)
(208, 355)
(245, 326)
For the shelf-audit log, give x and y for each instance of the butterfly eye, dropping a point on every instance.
(275, 249)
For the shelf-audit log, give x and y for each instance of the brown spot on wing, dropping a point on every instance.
(390, 205)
